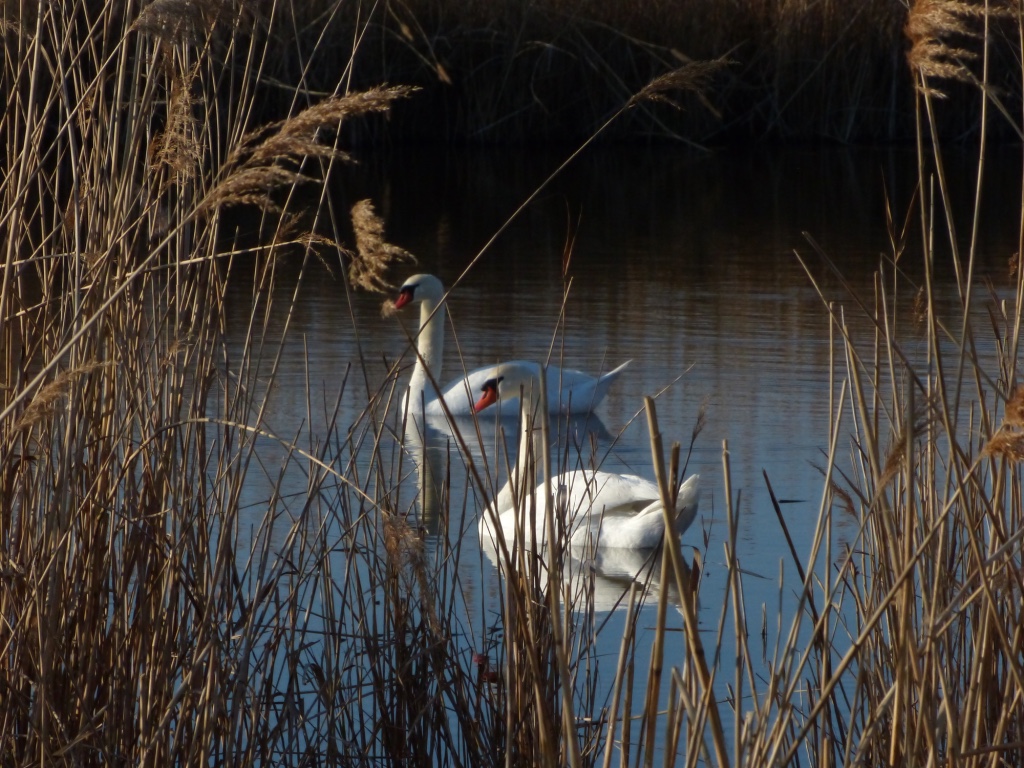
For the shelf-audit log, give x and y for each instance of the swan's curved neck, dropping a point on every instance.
(530, 455)
(430, 344)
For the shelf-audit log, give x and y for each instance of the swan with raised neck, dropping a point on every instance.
(601, 509)
(569, 391)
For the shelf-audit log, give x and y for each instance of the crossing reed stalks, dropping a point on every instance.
(170, 593)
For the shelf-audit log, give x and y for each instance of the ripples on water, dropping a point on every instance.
(685, 265)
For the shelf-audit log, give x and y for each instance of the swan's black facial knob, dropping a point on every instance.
(406, 295)
(490, 394)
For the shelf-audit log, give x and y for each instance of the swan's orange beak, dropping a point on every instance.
(489, 397)
(404, 297)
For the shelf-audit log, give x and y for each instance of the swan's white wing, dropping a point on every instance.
(608, 493)
(571, 391)
(617, 510)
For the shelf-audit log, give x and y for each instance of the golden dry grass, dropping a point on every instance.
(144, 620)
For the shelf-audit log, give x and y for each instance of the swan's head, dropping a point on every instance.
(507, 381)
(419, 288)
(489, 394)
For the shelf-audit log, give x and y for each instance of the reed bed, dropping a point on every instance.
(799, 70)
(146, 618)
(512, 71)
(521, 72)
(182, 585)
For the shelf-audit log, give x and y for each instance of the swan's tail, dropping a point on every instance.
(687, 503)
(605, 381)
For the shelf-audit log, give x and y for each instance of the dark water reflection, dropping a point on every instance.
(683, 264)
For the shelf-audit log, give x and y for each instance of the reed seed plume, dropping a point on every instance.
(180, 147)
(920, 307)
(694, 77)
(46, 400)
(929, 24)
(898, 451)
(311, 241)
(252, 186)
(1007, 444)
(1014, 416)
(845, 498)
(1008, 441)
(299, 136)
(267, 159)
(177, 21)
(404, 547)
(375, 255)
(702, 418)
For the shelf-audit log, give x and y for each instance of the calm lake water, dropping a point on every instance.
(683, 264)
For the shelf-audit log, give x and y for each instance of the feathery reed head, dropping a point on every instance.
(252, 186)
(693, 76)
(1008, 441)
(375, 255)
(1007, 444)
(929, 24)
(180, 21)
(44, 403)
(1014, 416)
(920, 307)
(179, 147)
(268, 157)
(299, 135)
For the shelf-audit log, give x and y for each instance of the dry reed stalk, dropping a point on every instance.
(155, 620)
(916, 555)
(161, 628)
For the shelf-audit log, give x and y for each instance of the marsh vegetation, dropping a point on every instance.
(152, 153)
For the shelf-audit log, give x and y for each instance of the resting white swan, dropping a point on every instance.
(603, 509)
(569, 391)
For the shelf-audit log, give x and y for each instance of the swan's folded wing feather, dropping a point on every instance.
(607, 493)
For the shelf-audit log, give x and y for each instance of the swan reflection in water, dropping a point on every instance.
(603, 577)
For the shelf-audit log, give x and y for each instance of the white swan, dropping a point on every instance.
(569, 391)
(602, 509)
